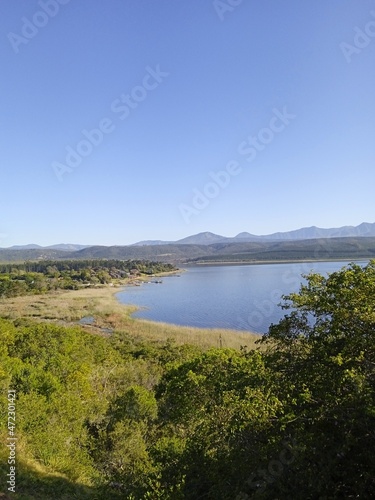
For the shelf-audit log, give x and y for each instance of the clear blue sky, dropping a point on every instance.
(180, 88)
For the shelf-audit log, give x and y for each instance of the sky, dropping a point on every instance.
(129, 120)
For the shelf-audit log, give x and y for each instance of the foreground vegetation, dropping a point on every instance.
(132, 417)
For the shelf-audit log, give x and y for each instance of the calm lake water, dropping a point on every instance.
(237, 297)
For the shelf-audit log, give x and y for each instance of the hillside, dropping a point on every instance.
(163, 253)
(311, 249)
(22, 254)
(318, 249)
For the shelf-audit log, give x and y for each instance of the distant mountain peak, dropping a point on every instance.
(205, 238)
(69, 247)
(304, 233)
(244, 235)
(151, 242)
(30, 246)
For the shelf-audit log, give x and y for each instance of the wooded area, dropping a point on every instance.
(43, 276)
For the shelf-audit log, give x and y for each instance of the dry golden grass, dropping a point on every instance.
(68, 307)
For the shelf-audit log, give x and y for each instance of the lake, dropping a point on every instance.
(243, 297)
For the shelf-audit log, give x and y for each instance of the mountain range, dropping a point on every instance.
(207, 238)
(346, 242)
(305, 233)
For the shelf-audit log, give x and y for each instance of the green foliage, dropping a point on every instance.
(137, 404)
(323, 355)
(122, 417)
(216, 404)
(40, 277)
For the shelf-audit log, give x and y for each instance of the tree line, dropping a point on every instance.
(44, 276)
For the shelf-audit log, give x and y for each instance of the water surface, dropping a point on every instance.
(238, 297)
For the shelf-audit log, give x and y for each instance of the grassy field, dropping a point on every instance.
(69, 307)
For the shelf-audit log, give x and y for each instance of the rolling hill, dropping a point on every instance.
(348, 242)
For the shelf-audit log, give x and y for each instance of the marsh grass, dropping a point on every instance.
(69, 307)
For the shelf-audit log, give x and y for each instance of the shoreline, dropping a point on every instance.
(69, 307)
(146, 277)
(264, 262)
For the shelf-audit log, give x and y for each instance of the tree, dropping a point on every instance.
(323, 358)
(216, 410)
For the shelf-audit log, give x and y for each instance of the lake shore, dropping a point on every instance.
(264, 262)
(68, 307)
